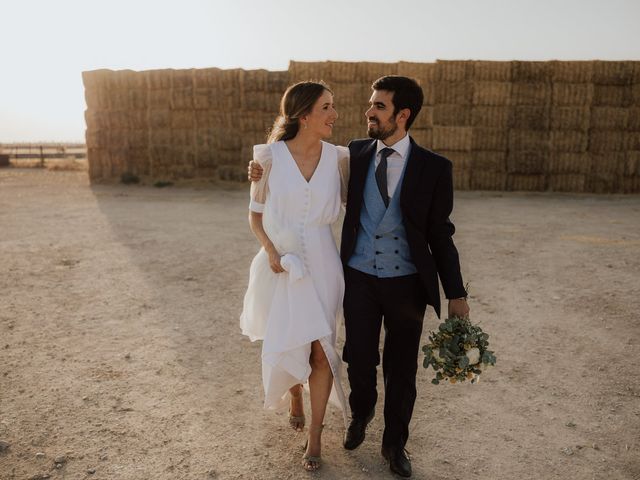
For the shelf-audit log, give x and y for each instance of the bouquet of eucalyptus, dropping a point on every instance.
(458, 351)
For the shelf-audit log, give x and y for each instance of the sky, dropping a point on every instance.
(45, 45)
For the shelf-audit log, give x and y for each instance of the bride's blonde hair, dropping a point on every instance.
(297, 101)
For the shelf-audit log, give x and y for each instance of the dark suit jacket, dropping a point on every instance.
(426, 202)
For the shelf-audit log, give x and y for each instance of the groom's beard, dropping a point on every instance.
(382, 133)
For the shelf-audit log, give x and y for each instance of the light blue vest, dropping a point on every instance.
(381, 247)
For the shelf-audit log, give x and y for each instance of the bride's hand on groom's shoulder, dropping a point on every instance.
(458, 307)
(254, 171)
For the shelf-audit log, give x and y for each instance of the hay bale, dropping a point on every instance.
(567, 182)
(527, 161)
(635, 94)
(629, 185)
(536, 72)
(453, 70)
(602, 183)
(493, 161)
(96, 120)
(633, 119)
(608, 163)
(425, 73)
(571, 72)
(607, 141)
(612, 95)
(118, 100)
(490, 139)
(207, 78)
(182, 98)
(632, 163)
(612, 72)
(424, 118)
(570, 118)
(530, 93)
(182, 78)
(492, 93)
(487, 180)
(137, 99)
(490, 116)
(570, 94)
(137, 119)
(159, 137)
(460, 93)
(138, 138)
(569, 141)
(422, 136)
(632, 141)
(569, 162)
(461, 179)
(159, 98)
(451, 115)
(609, 118)
(368, 72)
(158, 79)
(492, 72)
(529, 140)
(204, 98)
(526, 183)
(460, 160)
(254, 80)
(183, 119)
(452, 138)
(181, 137)
(278, 81)
(159, 118)
(530, 117)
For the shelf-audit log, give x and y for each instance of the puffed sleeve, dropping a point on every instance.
(343, 168)
(259, 189)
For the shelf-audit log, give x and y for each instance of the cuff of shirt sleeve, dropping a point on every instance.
(256, 207)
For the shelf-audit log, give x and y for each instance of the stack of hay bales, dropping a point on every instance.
(451, 114)
(560, 126)
(612, 98)
(351, 85)
(529, 135)
(117, 123)
(630, 182)
(571, 97)
(490, 114)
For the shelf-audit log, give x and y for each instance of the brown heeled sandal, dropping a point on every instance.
(311, 463)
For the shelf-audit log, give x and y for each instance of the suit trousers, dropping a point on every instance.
(399, 303)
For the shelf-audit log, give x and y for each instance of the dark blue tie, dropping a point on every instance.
(381, 174)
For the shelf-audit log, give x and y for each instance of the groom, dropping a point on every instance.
(396, 242)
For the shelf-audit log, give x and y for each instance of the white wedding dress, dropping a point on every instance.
(290, 310)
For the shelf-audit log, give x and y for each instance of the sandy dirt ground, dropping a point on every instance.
(121, 356)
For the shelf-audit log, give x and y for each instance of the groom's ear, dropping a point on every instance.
(402, 116)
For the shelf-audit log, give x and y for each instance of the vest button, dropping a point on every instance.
(378, 253)
(397, 267)
(397, 251)
(395, 238)
(378, 236)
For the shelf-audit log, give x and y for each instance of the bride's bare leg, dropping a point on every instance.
(296, 408)
(320, 382)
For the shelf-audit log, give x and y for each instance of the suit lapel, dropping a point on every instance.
(360, 169)
(412, 175)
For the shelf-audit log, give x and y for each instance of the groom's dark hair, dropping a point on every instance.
(406, 94)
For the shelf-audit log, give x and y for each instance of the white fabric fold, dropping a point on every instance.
(294, 266)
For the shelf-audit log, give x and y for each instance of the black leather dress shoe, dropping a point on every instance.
(355, 432)
(399, 462)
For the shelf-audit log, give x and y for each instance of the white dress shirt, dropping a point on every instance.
(395, 161)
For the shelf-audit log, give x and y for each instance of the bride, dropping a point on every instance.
(296, 282)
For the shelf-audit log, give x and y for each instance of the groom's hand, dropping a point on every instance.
(458, 307)
(254, 171)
